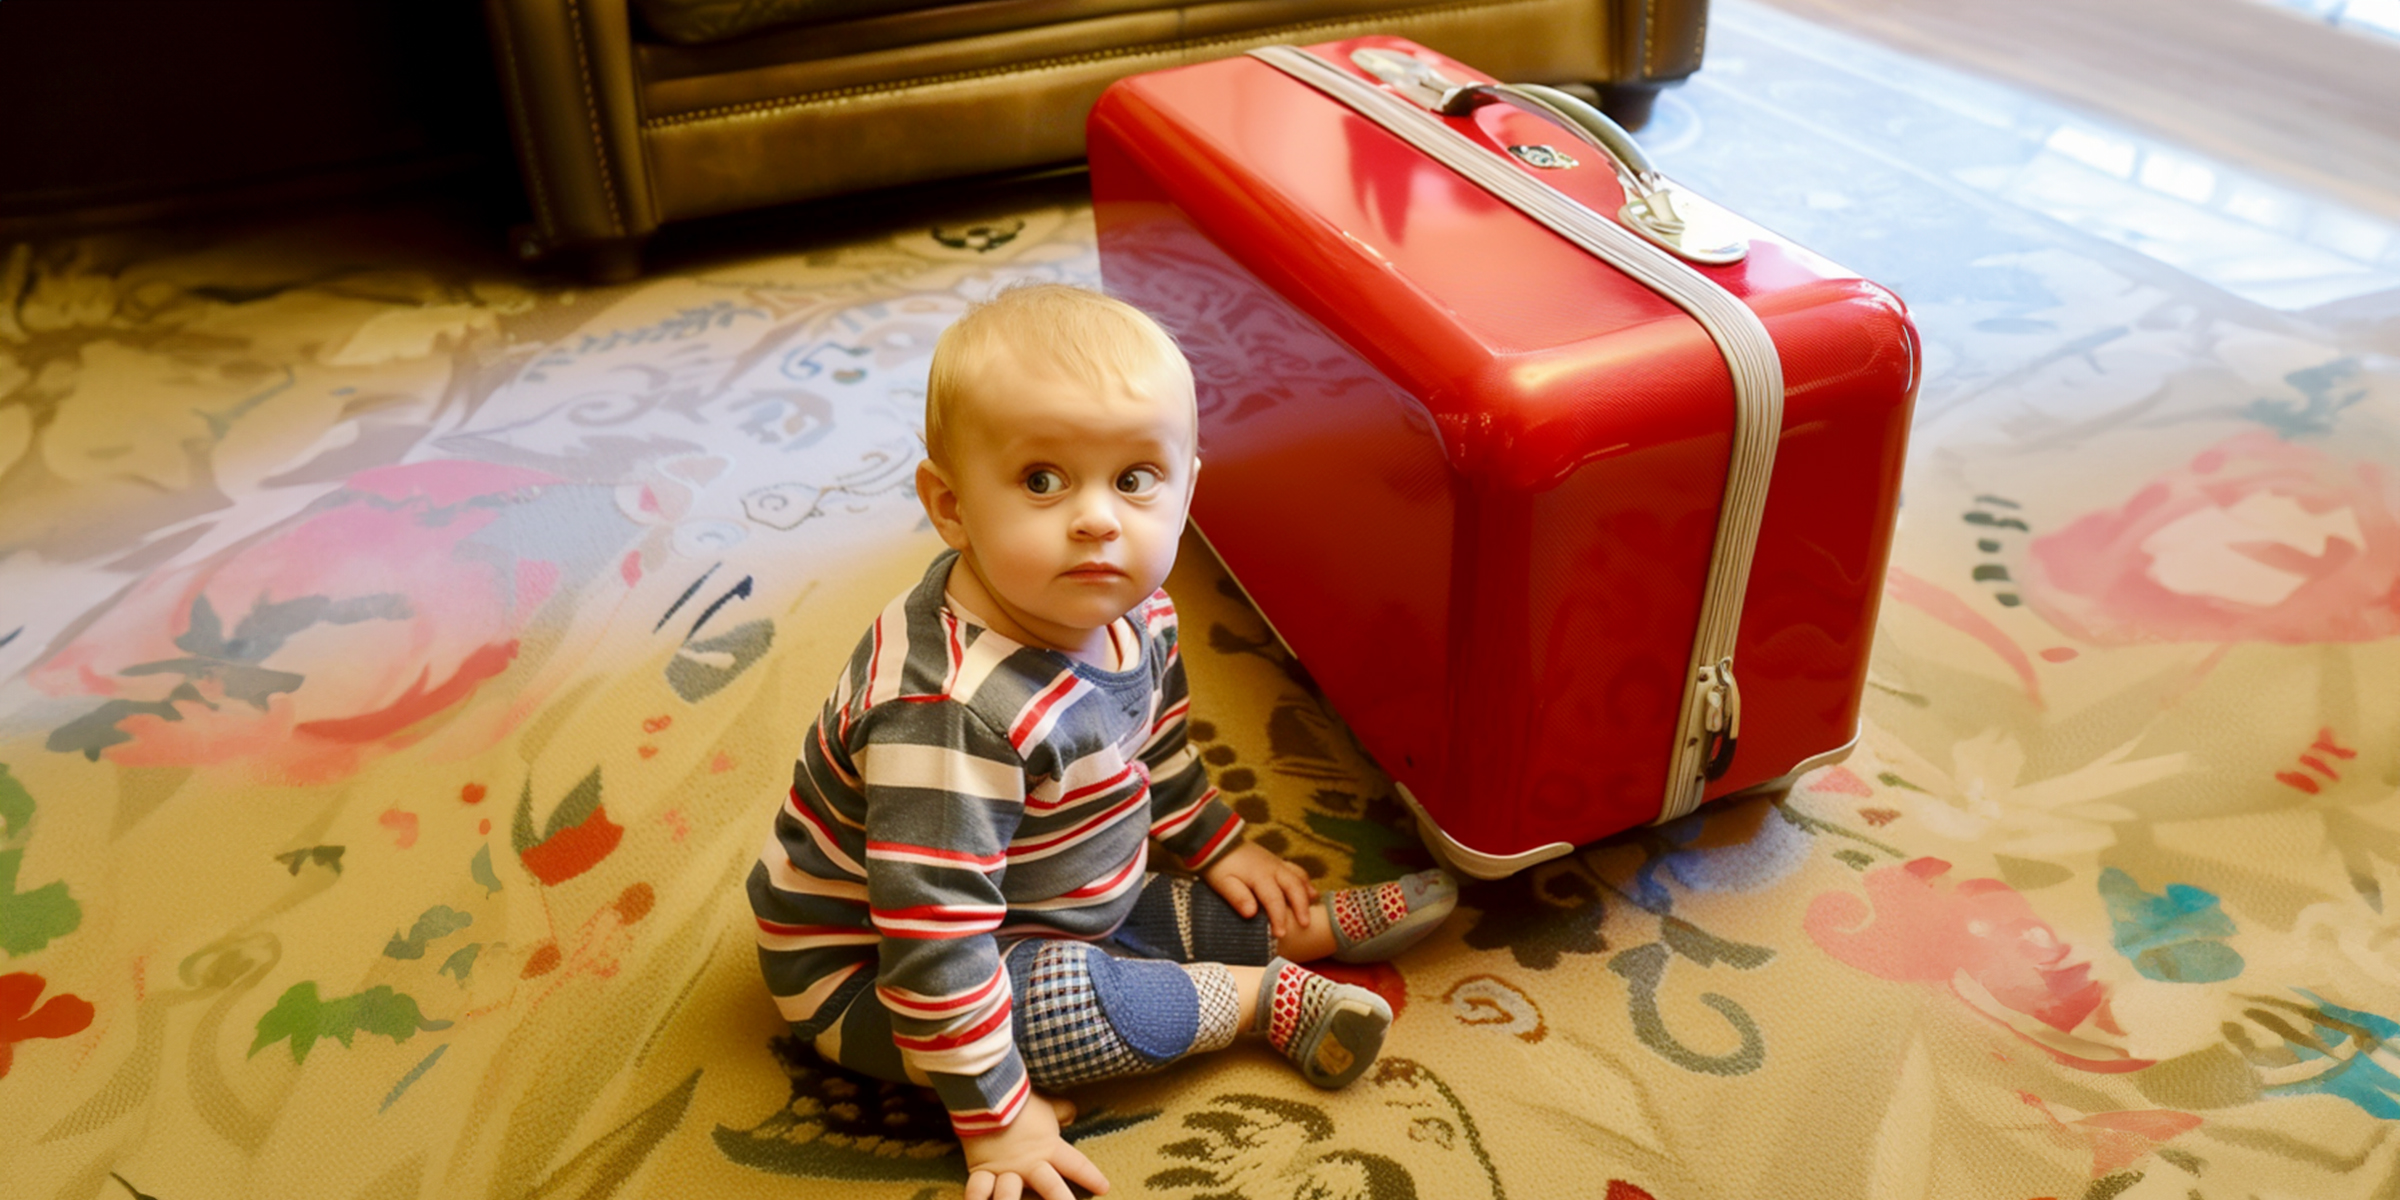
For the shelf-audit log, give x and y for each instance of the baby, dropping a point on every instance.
(957, 893)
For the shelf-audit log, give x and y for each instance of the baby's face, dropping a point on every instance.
(1071, 497)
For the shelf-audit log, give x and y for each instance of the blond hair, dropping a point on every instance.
(1093, 339)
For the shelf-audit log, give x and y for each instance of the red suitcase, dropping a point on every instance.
(1574, 529)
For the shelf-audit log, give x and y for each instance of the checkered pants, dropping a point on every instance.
(1063, 1032)
(1086, 1011)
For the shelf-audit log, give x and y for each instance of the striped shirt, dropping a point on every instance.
(960, 789)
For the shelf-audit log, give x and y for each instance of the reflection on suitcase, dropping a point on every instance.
(1571, 491)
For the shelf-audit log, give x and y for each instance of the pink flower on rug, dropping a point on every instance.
(2117, 1140)
(306, 652)
(2256, 540)
(1981, 940)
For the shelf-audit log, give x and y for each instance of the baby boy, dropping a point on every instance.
(958, 890)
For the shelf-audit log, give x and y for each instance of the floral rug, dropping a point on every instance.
(400, 663)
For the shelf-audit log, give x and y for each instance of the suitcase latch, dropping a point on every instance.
(1721, 717)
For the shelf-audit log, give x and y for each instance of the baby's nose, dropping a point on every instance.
(1096, 518)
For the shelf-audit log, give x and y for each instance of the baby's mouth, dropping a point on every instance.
(1094, 570)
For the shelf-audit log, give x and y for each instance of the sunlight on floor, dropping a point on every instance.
(2234, 228)
(2366, 16)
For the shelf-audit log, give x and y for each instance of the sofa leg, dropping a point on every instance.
(1628, 103)
(618, 261)
(615, 261)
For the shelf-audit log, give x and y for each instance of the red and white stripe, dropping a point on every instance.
(1222, 838)
(1026, 849)
(954, 640)
(1169, 824)
(834, 763)
(973, 1034)
(1040, 714)
(996, 1118)
(983, 656)
(820, 834)
(975, 1047)
(775, 935)
(934, 856)
(923, 921)
(842, 697)
(788, 879)
(926, 1007)
(1165, 726)
(1162, 620)
(1084, 780)
(940, 769)
(890, 659)
(806, 1004)
(1099, 891)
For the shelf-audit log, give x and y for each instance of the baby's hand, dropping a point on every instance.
(1029, 1155)
(1250, 876)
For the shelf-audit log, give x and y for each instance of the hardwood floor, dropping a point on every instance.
(2242, 80)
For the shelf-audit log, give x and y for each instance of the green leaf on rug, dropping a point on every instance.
(577, 836)
(481, 869)
(438, 922)
(1368, 842)
(1708, 949)
(2108, 1187)
(598, 1170)
(703, 668)
(461, 963)
(31, 920)
(16, 804)
(414, 1073)
(302, 1017)
(323, 856)
(2027, 874)
(138, 1194)
(1645, 968)
(578, 805)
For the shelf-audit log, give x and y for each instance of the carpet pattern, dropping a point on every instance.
(400, 664)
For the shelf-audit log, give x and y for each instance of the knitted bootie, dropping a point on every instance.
(1331, 1031)
(1377, 922)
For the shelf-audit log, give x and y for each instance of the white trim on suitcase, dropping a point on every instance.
(1710, 701)
(1459, 858)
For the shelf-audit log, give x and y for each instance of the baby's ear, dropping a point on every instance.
(941, 504)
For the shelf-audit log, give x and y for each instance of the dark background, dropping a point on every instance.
(117, 111)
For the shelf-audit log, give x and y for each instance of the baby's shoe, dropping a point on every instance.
(1377, 922)
(1331, 1031)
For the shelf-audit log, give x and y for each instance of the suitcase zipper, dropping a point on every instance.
(1711, 713)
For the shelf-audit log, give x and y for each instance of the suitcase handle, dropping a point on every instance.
(1651, 203)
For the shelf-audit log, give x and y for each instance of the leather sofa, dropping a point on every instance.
(629, 114)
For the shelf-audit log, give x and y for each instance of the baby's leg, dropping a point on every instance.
(1331, 1031)
(1182, 919)
(1083, 1014)
(1376, 922)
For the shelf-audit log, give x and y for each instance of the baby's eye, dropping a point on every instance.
(1137, 480)
(1045, 482)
